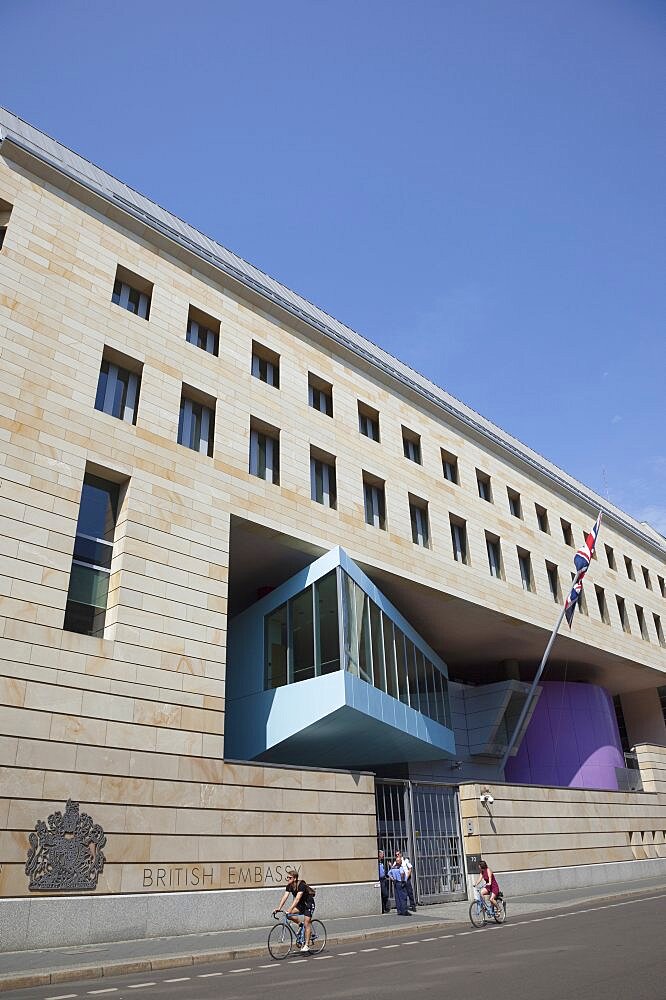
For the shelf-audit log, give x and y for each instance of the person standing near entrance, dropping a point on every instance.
(383, 883)
(408, 870)
(397, 876)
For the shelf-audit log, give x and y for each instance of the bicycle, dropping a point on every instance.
(283, 940)
(482, 911)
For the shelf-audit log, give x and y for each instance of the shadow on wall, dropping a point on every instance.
(572, 740)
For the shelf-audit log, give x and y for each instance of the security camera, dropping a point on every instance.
(486, 799)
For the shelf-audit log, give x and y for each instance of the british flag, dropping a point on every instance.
(582, 561)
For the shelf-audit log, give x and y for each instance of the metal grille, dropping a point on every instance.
(421, 821)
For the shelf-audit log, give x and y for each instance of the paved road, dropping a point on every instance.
(599, 951)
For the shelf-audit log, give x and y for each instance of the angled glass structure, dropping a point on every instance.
(325, 670)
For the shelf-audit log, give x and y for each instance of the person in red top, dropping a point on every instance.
(490, 887)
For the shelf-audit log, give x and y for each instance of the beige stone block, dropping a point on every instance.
(178, 742)
(266, 799)
(44, 754)
(81, 787)
(68, 729)
(12, 691)
(199, 822)
(20, 722)
(21, 782)
(125, 790)
(52, 698)
(127, 847)
(144, 819)
(180, 794)
(131, 737)
(102, 760)
(8, 749)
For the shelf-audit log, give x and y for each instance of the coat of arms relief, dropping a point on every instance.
(66, 853)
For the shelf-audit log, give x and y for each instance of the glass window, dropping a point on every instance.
(389, 655)
(196, 426)
(422, 678)
(601, 602)
(375, 506)
(610, 556)
(364, 649)
(322, 482)
(525, 563)
(567, 533)
(450, 466)
(5, 212)
(411, 445)
(629, 567)
(483, 484)
(87, 595)
(658, 629)
(401, 665)
(320, 395)
(130, 297)
(328, 635)
(553, 580)
(118, 392)
(622, 611)
(276, 646)
(515, 506)
(542, 518)
(379, 667)
(494, 556)
(418, 514)
(646, 577)
(265, 456)
(642, 623)
(302, 642)
(459, 539)
(368, 421)
(412, 676)
(202, 336)
(265, 366)
(358, 653)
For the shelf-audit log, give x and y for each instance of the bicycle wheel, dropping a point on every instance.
(317, 937)
(477, 914)
(500, 913)
(281, 941)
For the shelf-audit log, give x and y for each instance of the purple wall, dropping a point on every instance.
(572, 740)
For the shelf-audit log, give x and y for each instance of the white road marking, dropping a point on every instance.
(409, 942)
(442, 937)
(62, 996)
(384, 946)
(140, 986)
(242, 970)
(110, 989)
(298, 961)
(320, 958)
(343, 954)
(271, 966)
(429, 939)
(209, 975)
(181, 979)
(369, 949)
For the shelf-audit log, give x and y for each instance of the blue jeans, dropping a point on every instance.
(400, 897)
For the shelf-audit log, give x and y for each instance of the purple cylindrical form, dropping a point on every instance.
(572, 740)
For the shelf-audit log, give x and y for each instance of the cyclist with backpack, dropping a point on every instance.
(302, 906)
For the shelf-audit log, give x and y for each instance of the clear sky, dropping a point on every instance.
(476, 185)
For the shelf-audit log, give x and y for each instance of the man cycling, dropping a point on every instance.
(490, 886)
(302, 906)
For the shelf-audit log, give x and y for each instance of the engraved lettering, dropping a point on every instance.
(195, 876)
(147, 878)
(161, 876)
(207, 875)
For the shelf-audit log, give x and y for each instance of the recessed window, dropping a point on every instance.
(368, 421)
(459, 539)
(483, 485)
(610, 556)
(567, 533)
(515, 506)
(658, 629)
(320, 394)
(264, 451)
(411, 445)
(629, 566)
(662, 585)
(118, 386)
(196, 422)
(203, 331)
(450, 466)
(374, 501)
(265, 365)
(525, 564)
(418, 515)
(581, 603)
(553, 581)
(622, 611)
(640, 615)
(5, 212)
(601, 602)
(87, 595)
(646, 577)
(494, 551)
(542, 518)
(132, 292)
(323, 488)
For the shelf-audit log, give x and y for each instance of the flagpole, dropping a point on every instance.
(537, 677)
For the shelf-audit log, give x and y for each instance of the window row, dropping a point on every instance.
(132, 292)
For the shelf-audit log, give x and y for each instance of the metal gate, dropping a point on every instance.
(422, 821)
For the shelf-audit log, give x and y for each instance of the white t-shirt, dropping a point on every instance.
(407, 866)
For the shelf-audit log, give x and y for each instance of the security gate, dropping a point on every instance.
(422, 821)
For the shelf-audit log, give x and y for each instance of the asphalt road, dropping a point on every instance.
(605, 951)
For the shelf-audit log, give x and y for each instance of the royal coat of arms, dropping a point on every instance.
(66, 854)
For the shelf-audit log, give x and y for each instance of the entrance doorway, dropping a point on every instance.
(421, 820)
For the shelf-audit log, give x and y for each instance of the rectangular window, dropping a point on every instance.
(132, 292)
(658, 629)
(265, 365)
(276, 646)
(581, 603)
(622, 611)
(567, 533)
(601, 602)
(196, 422)
(302, 636)
(264, 452)
(5, 212)
(646, 577)
(459, 538)
(553, 581)
(515, 506)
(494, 550)
(326, 625)
(621, 724)
(411, 445)
(525, 564)
(368, 421)
(629, 566)
(662, 585)
(320, 395)
(118, 387)
(203, 331)
(322, 479)
(450, 466)
(642, 624)
(374, 501)
(87, 596)
(610, 556)
(542, 518)
(418, 515)
(483, 484)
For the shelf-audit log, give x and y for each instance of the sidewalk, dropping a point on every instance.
(45, 967)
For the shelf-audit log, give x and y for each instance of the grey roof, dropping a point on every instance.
(77, 168)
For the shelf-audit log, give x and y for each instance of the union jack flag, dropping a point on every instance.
(582, 561)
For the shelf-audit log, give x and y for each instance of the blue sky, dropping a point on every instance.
(477, 186)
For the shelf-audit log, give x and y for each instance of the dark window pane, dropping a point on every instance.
(99, 507)
(326, 595)
(401, 663)
(276, 648)
(377, 647)
(302, 636)
(389, 656)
